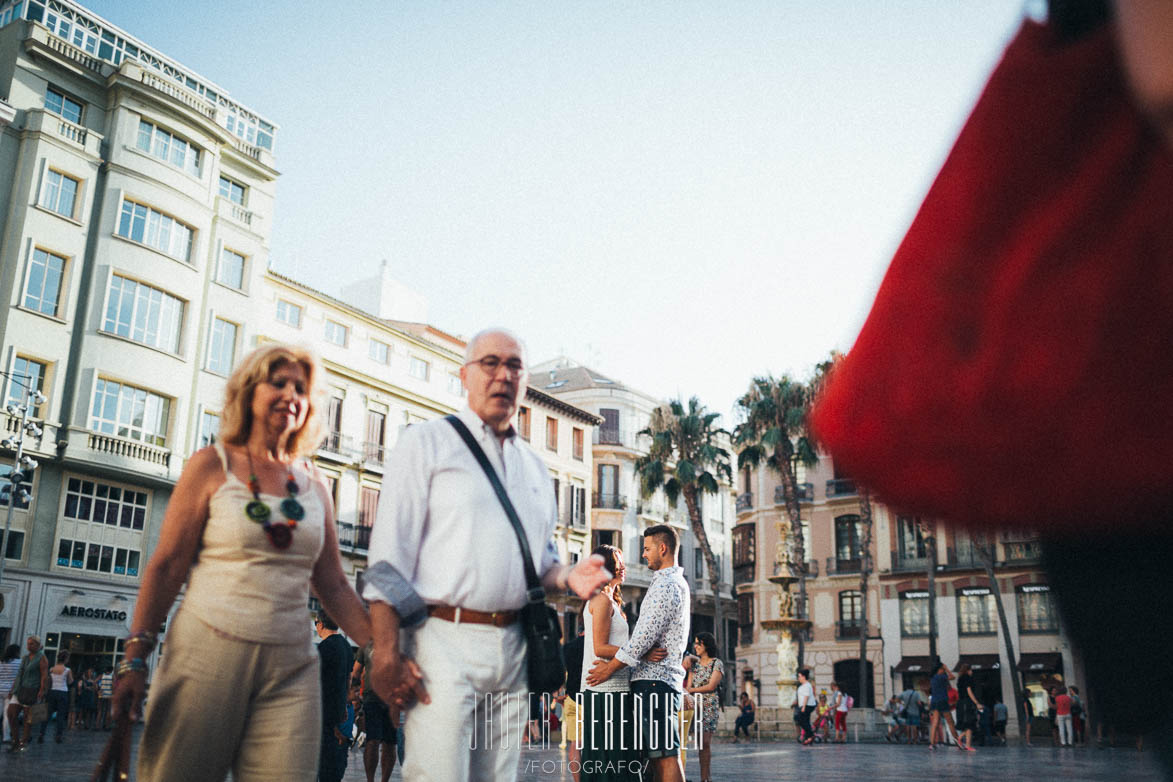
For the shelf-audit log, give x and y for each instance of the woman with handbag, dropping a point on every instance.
(32, 680)
(252, 521)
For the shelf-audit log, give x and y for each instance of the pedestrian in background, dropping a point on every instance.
(939, 708)
(840, 704)
(29, 688)
(87, 692)
(1078, 714)
(60, 683)
(1063, 716)
(707, 673)
(380, 722)
(334, 656)
(9, 665)
(688, 706)
(806, 705)
(572, 653)
(1028, 708)
(1001, 717)
(968, 706)
(745, 718)
(911, 701)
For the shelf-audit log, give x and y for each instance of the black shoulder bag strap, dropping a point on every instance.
(535, 593)
(545, 668)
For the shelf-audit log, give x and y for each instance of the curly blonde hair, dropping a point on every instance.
(236, 417)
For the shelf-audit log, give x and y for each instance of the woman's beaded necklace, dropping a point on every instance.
(280, 535)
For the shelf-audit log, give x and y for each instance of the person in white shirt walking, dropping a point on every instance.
(60, 680)
(658, 686)
(806, 704)
(445, 567)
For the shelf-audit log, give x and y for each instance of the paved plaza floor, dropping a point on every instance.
(765, 762)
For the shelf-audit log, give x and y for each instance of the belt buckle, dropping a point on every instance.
(493, 618)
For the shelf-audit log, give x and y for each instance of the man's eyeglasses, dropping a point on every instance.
(491, 364)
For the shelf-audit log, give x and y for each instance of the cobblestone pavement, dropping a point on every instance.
(75, 759)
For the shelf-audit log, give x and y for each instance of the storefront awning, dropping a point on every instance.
(914, 665)
(1041, 662)
(980, 662)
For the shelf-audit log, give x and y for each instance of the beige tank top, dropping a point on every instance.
(241, 583)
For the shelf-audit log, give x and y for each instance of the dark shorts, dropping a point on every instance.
(939, 705)
(657, 716)
(378, 722)
(912, 720)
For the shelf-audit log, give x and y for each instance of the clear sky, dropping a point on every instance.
(681, 194)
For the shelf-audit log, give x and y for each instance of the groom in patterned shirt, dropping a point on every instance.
(657, 687)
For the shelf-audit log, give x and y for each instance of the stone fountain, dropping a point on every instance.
(787, 625)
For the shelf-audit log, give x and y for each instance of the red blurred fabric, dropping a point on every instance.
(1016, 368)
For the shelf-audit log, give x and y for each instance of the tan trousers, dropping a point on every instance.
(219, 703)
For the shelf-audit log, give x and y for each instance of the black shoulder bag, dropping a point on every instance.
(545, 668)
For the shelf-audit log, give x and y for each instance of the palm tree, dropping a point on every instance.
(774, 431)
(686, 459)
(986, 553)
(865, 571)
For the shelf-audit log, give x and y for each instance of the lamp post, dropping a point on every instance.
(22, 466)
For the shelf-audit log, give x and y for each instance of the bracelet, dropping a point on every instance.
(145, 637)
(126, 666)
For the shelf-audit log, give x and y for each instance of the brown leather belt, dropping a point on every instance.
(468, 616)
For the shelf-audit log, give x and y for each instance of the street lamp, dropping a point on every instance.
(22, 465)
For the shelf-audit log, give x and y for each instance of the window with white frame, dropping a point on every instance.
(231, 269)
(1036, 609)
(977, 613)
(914, 613)
(62, 105)
(143, 314)
(289, 313)
(336, 333)
(209, 428)
(232, 190)
(43, 289)
(379, 351)
(59, 193)
(26, 373)
(222, 346)
(455, 387)
(125, 411)
(140, 223)
(101, 527)
(418, 368)
(168, 147)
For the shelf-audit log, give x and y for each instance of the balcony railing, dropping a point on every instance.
(130, 449)
(339, 444)
(841, 487)
(744, 501)
(614, 436)
(842, 567)
(906, 564)
(743, 573)
(1022, 551)
(805, 491)
(610, 501)
(846, 629)
(374, 452)
(965, 559)
(353, 537)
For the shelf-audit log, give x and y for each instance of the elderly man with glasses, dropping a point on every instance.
(446, 579)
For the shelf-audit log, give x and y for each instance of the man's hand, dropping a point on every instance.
(588, 576)
(396, 679)
(601, 671)
(655, 654)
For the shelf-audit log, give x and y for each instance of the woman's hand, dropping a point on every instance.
(129, 691)
(655, 654)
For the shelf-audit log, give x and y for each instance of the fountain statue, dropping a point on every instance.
(787, 625)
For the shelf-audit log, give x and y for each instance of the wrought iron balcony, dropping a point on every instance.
(610, 501)
(1022, 551)
(841, 487)
(909, 564)
(805, 491)
(353, 537)
(846, 629)
(338, 444)
(843, 567)
(744, 502)
(964, 559)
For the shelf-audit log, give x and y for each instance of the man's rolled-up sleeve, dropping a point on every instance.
(398, 529)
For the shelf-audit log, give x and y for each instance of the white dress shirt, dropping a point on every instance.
(440, 533)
